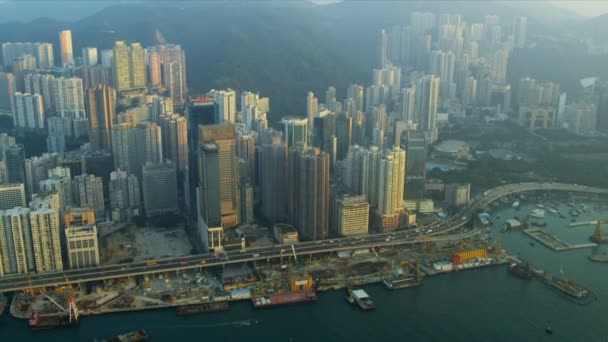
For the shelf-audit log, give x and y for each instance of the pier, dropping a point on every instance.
(553, 242)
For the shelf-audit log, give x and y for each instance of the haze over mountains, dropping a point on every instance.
(282, 50)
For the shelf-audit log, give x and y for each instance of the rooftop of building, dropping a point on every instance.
(285, 228)
(450, 146)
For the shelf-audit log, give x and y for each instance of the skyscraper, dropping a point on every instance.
(176, 84)
(520, 31)
(89, 56)
(352, 217)
(442, 66)
(391, 181)
(28, 111)
(123, 147)
(308, 191)
(218, 175)
(65, 43)
(159, 187)
(427, 93)
(414, 143)
(174, 129)
(154, 69)
(101, 102)
(245, 152)
(273, 179)
(383, 50)
(312, 107)
(499, 66)
(407, 104)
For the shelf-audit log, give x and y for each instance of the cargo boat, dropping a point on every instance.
(44, 322)
(283, 299)
(133, 336)
(521, 269)
(598, 258)
(193, 309)
(361, 299)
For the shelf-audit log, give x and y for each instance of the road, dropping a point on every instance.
(432, 232)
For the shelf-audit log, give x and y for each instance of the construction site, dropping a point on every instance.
(396, 267)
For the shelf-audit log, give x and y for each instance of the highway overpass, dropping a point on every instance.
(405, 237)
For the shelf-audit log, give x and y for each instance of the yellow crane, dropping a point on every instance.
(598, 235)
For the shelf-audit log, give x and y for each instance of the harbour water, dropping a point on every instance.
(477, 305)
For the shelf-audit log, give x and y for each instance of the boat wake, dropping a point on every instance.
(243, 323)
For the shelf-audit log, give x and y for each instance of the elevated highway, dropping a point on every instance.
(443, 231)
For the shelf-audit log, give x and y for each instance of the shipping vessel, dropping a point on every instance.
(283, 299)
(132, 336)
(193, 309)
(361, 299)
(521, 269)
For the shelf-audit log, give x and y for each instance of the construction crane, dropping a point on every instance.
(598, 235)
(30, 287)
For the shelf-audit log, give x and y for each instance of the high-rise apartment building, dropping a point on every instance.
(312, 107)
(8, 87)
(383, 50)
(68, 97)
(16, 252)
(42, 52)
(295, 130)
(174, 129)
(273, 178)
(88, 192)
(89, 56)
(159, 187)
(129, 67)
(28, 111)
(101, 105)
(65, 44)
(46, 239)
(308, 191)
(12, 195)
(125, 200)
(225, 105)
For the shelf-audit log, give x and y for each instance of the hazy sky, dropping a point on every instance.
(584, 7)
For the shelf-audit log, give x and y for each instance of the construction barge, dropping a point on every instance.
(66, 319)
(598, 258)
(521, 269)
(570, 289)
(193, 309)
(283, 299)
